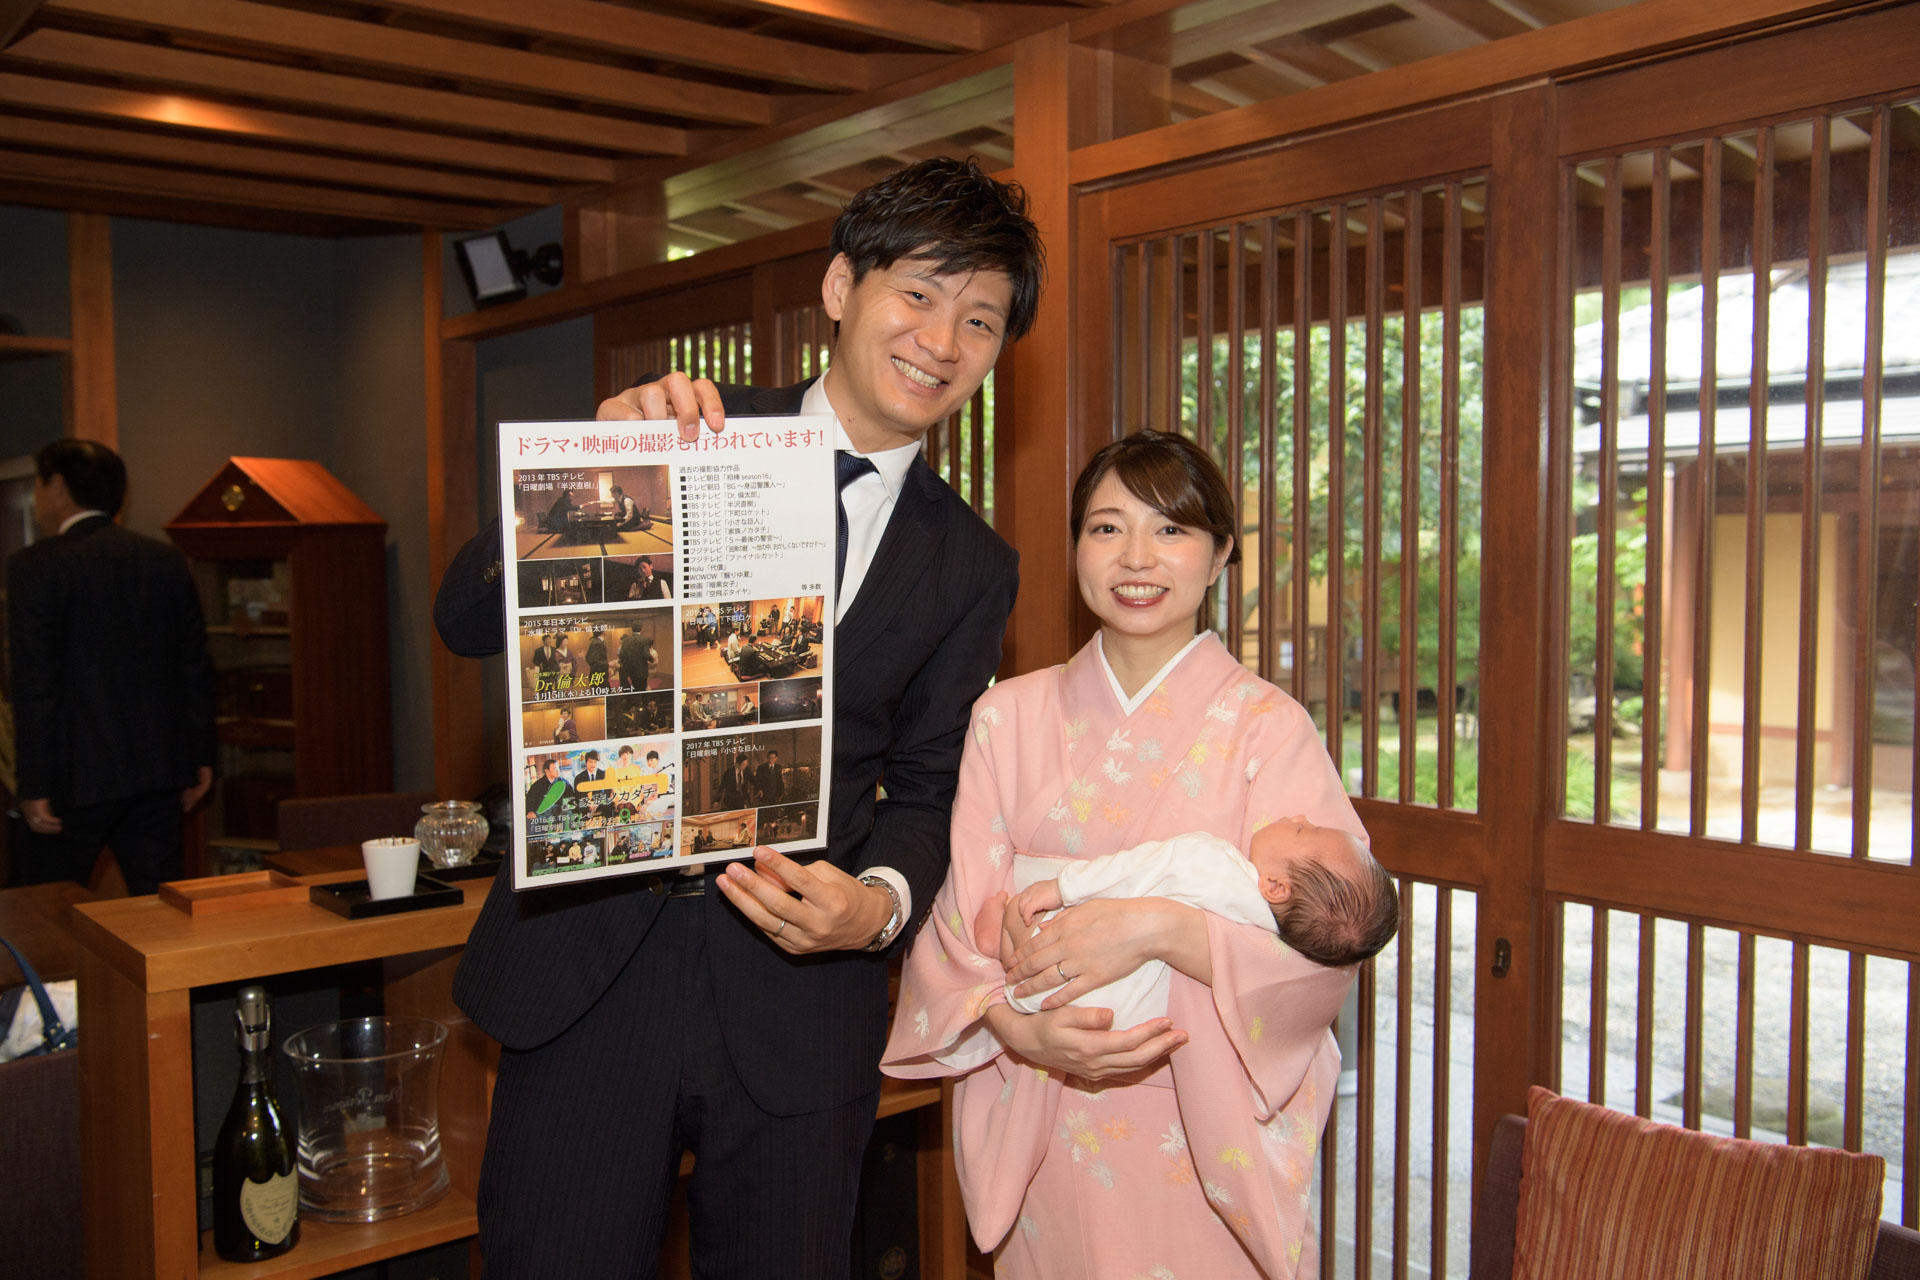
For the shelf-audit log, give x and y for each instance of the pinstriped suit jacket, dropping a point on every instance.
(913, 652)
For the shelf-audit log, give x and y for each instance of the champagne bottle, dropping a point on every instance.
(256, 1197)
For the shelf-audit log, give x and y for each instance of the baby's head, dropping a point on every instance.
(1333, 902)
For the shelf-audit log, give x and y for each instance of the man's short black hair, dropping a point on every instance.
(952, 214)
(96, 477)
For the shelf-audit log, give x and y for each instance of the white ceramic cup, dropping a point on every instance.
(392, 862)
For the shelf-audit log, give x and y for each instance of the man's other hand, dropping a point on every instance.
(39, 817)
(191, 796)
(833, 912)
(685, 400)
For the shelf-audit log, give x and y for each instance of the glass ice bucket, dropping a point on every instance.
(450, 832)
(369, 1093)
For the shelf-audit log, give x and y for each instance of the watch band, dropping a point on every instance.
(891, 929)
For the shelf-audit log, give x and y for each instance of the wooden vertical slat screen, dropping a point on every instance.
(1813, 471)
(1644, 1019)
(1411, 233)
(1442, 1069)
(1705, 488)
(1402, 1077)
(1373, 432)
(1606, 511)
(1303, 407)
(1756, 470)
(1334, 645)
(1654, 686)
(1867, 519)
(1447, 677)
(1308, 295)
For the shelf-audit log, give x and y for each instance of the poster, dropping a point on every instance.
(670, 642)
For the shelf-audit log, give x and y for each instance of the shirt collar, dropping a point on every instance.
(892, 464)
(78, 516)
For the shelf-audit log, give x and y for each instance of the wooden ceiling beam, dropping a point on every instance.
(679, 41)
(1477, 18)
(925, 23)
(1242, 27)
(204, 72)
(894, 127)
(130, 179)
(13, 16)
(308, 131)
(268, 162)
(460, 61)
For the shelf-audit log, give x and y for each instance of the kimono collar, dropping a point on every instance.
(1129, 705)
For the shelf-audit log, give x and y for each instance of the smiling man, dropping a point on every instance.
(741, 1015)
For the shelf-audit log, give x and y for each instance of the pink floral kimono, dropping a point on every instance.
(1199, 1171)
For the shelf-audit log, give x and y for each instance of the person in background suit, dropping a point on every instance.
(745, 1022)
(597, 662)
(546, 665)
(103, 761)
(636, 658)
(769, 781)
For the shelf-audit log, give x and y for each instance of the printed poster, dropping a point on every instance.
(670, 638)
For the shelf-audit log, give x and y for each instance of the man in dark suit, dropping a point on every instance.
(104, 757)
(739, 1020)
(770, 780)
(636, 658)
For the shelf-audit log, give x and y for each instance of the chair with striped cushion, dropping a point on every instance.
(1579, 1192)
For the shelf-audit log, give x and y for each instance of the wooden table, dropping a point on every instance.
(38, 919)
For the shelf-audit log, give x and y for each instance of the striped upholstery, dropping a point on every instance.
(1607, 1196)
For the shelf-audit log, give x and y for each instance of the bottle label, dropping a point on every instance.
(269, 1208)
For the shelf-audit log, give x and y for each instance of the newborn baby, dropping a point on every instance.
(1319, 888)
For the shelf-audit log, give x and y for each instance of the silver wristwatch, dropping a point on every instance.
(891, 929)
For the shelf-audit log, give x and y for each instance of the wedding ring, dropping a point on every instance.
(1062, 972)
(782, 929)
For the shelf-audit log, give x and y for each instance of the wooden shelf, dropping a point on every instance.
(251, 633)
(14, 346)
(329, 1247)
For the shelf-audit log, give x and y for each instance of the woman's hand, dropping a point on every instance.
(1078, 1041)
(1086, 947)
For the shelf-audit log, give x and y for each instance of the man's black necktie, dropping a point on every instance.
(847, 467)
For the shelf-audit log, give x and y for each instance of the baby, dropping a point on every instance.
(1318, 887)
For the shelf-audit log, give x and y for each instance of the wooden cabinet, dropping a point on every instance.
(139, 962)
(292, 572)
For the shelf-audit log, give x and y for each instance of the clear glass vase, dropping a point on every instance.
(450, 832)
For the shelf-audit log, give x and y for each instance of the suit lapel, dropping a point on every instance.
(902, 558)
(781, 401)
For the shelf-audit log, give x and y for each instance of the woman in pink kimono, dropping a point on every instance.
(1181, 1149)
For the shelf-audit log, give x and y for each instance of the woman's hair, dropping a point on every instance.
(1169, 473)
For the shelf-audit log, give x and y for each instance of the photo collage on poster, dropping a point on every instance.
(744, 664)
(670, 626)
(595, 658)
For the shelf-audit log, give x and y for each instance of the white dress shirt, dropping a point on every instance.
(868, 502)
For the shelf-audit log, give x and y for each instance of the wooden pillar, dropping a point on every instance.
(616, 232)
(453, 488)
(1036, 447)
(92, 406)
(1511, 1048)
